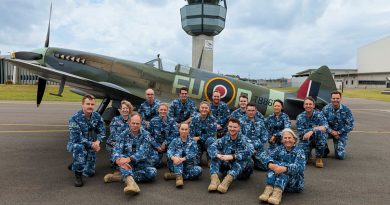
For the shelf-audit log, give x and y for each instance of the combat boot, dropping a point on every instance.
(78, 182)
(169, 176)
(131, 186)
(224, 186)
(214, 183)
(112, 177)
(266, 194)
(179, 181)
(276, 196)
(319, 163)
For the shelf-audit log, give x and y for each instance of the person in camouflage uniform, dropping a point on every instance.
(286, 169)
(341, 122)
(133, 155)
(311, 127)
(230, 155)
(182, 109)
(221, 112)
(241, 111)
(203, 129)
(275, 123)
(182, 153)
(86, 131)
(148, 109)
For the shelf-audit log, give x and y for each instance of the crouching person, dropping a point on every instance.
(132, 154)
(286, 169)
(182, 158)
(230, 155)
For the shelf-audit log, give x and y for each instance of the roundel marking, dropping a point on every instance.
(223, 86)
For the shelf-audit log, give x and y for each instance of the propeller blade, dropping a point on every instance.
(48, 30)
(26, 55)
(41, 90)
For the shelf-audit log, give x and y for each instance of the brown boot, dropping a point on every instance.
(179, 181)
(112, 177)
(169, 176)
(131, 187)
(276, 196)
(214, 183)
(224, 186)
(266, 194)
(319, 163)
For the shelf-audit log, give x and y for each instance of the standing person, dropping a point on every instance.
(286, 169)
(182, 109)
(132, 154)
(312, 126)
(117, 126)
(221, 112)
(341, 122)
(253, 127)
(182, 153)
(241, 111)
(163, 130)
(86, 131)
(230, 156)
(203, 129)
(275, 123)
(149, 108)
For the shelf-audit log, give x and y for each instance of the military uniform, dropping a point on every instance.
(117, 126)
(275, 125)
(241, 167)
(238, 114)
(82, 132)
(141, 154)
(257, 135)
(148, 112)
(340, 120)
(206, 129)
(188, 149)
(180, 112)
(318, 139)
(294, 160)
(221, 112)
(162, 132)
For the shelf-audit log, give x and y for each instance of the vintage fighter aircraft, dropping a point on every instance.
(113, 79)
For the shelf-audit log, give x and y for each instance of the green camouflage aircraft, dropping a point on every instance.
(113, 79)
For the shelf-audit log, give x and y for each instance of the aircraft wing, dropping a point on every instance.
(98, 89)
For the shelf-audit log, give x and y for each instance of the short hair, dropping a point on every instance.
(234, 120)
(134, 114)
(251, 104)
(164, 104)
(291, 132)
(279, 101)
(243, 96)
(127, 104)
(216, 91)
(309, 98)
(205, 102)
(88, 96)
(184, 123)
(335, 92)
(183, 88)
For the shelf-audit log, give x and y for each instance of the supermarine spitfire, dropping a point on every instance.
(113, 79)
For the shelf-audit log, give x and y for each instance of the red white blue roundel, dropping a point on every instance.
(223, 86)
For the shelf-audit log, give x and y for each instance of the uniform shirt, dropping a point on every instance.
(117, 126)
(221, 112)
(225, 145)
(162, 131)
(148, 111)
(294, 159)
(85, 131)
(187, 149)
(238, 114)
(254, 130)
(204, 128)
(340, 120)
(180, 112)
(275, 125)
(306, 124)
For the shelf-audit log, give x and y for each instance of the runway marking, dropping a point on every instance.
(34, 125)
(372, 132)
(32, 131)
(371, 109)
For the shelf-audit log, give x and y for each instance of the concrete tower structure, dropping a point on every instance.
(203, 19)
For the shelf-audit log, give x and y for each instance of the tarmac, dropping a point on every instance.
(34, 160)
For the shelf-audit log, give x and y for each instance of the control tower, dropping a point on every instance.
(203, 19)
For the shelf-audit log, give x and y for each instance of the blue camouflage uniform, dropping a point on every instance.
(141, 154)
(221, 112)
(241, 167)
(318, 139)
(181, 112)
(117, 126)
(82, 132)
(237, 114)
(206, 129)
(340, 120)
(294, 160)
(188, 149)
(257, 135)
(275, 125)
(149, 111)
(162, 132)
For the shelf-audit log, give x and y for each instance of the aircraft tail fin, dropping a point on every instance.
(318, 85)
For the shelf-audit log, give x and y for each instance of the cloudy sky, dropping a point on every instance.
(261, 39)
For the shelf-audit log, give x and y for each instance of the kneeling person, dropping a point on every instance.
(182, 153)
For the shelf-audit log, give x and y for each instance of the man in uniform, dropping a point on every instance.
(241, 111)
(149, 108)
(86, 131)
(182, 109)
(221, 112)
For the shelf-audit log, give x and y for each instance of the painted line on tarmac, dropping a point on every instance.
(371, 109)
(32, 131)
(372, 132)
(34, 125)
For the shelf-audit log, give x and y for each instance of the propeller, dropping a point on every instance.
(41, 90)
(27, 55)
